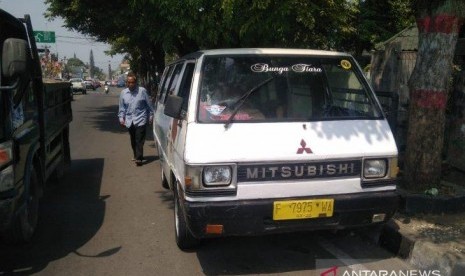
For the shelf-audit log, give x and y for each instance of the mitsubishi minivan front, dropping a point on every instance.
(273, 140)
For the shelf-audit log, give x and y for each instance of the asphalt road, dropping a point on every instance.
(109, 217)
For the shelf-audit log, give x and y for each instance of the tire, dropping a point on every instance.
(184, 238)
(164, 181)
(65, 158)
(24, 224)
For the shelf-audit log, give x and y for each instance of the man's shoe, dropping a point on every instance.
(133, 159)
(138, 162)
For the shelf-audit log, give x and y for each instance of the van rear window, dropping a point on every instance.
(283, 88)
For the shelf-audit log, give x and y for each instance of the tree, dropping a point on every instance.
(98, 73)
(91, 65)
(158, 29)
(140, 37)
(75, 62)
(378, 21)
(74, 66)
(439, 23)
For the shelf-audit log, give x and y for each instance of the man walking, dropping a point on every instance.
(135, 109)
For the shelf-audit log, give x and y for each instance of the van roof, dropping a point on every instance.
(276, 51)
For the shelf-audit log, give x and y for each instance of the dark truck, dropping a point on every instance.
(34, 129)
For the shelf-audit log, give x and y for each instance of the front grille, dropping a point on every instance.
(302, 170)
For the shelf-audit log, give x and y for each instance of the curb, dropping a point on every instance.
(397, 238)
(418, 203)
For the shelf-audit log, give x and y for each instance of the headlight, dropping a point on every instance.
(374, 168)
(217, 176)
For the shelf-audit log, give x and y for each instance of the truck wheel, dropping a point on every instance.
(24, 224)
(184, 238)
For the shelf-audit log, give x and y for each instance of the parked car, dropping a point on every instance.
(96, 83)
(78, 85)
(89, 84)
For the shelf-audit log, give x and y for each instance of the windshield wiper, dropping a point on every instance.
(237, 105)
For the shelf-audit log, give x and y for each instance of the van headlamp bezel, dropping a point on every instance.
(375, 168)
(218, 175)
(197, 186)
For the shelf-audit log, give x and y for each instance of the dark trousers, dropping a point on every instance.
(137, 134)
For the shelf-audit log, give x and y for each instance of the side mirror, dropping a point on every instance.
(14, 58)
(173, 106)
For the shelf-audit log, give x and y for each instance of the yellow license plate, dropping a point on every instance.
(303, 209)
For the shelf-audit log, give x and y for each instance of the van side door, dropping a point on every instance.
(162, 122)
(179, 126)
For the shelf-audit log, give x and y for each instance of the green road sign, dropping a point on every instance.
(44, 37)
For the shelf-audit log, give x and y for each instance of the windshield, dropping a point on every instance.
(283, 88)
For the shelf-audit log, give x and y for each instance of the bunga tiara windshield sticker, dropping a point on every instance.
(298, 68)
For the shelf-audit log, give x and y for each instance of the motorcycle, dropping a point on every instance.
(107, 89)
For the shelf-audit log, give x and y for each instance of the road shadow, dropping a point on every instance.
(277, 253)
(105, 118)
(71, 213)
(283, 253)
(149, 159)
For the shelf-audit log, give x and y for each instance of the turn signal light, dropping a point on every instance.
(6, 152)
(214, 229)
(4, 156)
(188, 181)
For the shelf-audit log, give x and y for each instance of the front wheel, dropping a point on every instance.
(184, 238)
(164, 181)
(24, 224)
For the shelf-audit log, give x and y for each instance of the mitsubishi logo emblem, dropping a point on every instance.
(303, 148)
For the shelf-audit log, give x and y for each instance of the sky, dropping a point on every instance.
(68, 42)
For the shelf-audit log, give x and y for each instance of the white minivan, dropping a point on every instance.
(255, 141)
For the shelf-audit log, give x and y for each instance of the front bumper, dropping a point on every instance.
(254, 217)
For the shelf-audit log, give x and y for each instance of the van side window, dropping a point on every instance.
(174, 79)
(160, 83)
(165, 82)
(186, 81)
